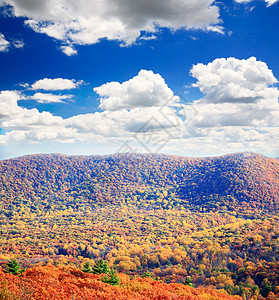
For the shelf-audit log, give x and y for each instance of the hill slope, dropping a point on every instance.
(211, 219)
(242, 180)
(71, 283)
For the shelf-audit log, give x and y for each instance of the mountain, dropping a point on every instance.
(212, 221)
(241, 181)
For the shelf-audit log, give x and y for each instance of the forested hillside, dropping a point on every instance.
(66, 283)
(211, 220)
(240, 181)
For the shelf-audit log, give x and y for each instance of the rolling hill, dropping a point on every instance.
(240, 181)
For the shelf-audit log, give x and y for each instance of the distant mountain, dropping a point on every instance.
(241, 181)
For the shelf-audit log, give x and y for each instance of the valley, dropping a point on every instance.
(213, 220)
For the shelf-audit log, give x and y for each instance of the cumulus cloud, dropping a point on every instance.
(49, 98)
(4, 44)
(86, 22)
(48, 84)
(235, 81)
(8, 103)
(144, 90)
(240, 100)
(140, 107)
(28, 125)
(12, 114)
(239, 111)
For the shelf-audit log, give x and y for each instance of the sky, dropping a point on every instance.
(183, 77)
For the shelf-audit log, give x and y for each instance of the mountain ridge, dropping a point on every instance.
(244, 178)
(242, 153)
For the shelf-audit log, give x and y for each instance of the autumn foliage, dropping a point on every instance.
(66, 283)
(241, 182)
(212, 220)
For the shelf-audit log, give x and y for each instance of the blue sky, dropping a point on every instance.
(183, 77)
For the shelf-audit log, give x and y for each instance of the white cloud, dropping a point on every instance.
(48, 84)
(32, 120)
(243, 1)
(232, 114)
(217, 29)
(228, 140)
(239, 111)
(68, 50)
(12, 113)
(27, 125)
(86, 22)
(4, 44)
(148, 37)
(144, 90)
(125, 123)
(49, 98)
(8, 104)
(18, 44)
(239, 94)
(268, 2)
(21, 122)
(235, 81)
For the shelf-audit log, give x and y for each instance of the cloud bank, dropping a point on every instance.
(239, 111)
(87, 22)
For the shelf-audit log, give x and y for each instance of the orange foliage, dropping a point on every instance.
(66, 283)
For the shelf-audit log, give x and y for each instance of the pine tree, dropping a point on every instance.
(87, 268)
(13, 267)
(100, 267)
(112, 279)
(188, 281)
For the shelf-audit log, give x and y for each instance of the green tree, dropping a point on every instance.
(100, 267)
(87, 268)
(13, 267)
(188, 281)
(112, 278)
(147, 274)
(266, 287)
